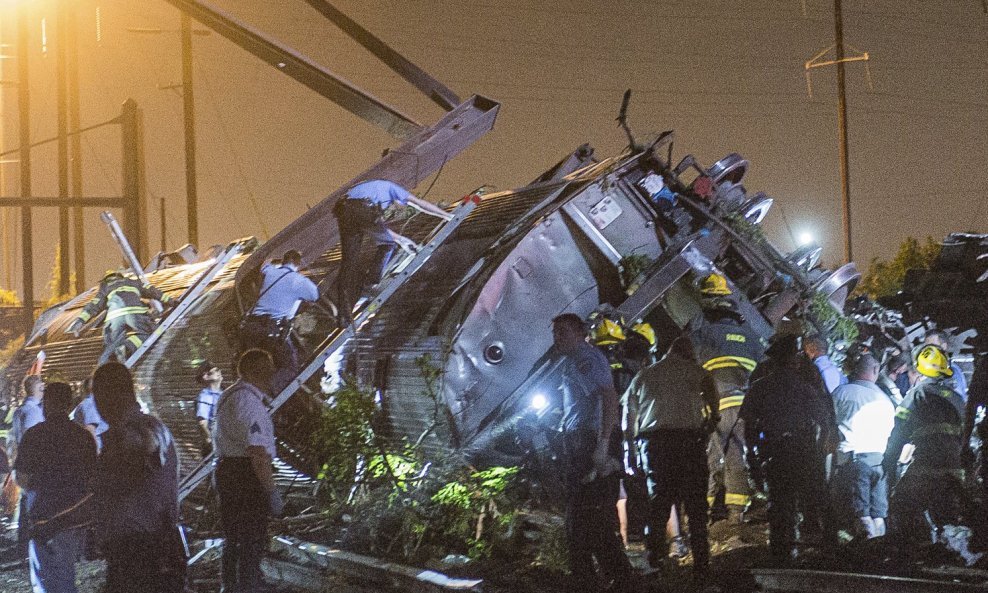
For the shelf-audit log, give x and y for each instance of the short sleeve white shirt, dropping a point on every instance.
(242, 420)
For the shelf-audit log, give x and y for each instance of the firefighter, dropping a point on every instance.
(128, 320)
(730, 350)
(928, 429)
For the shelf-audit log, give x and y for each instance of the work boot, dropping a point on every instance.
(866, 527)
(678, 548)
(879, 523)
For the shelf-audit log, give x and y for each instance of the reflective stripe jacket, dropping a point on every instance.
(120, 296)
(931, 418)
(730, 351)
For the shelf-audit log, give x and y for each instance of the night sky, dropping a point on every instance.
(726, 75)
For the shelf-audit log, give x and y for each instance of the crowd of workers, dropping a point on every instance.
(722, 414)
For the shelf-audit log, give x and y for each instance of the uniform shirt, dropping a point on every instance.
(380, 192)
(206, 405)
(667, 395)
(282, 289)
(584, 373)
(831, 375)
(730, 351)
(865, 417)
(26, 416)
(86, 414)
(242, 420)
(960, 381)
(60, 457)
(136, 488)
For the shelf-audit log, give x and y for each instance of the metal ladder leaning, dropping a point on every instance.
(335, 340)
(189, 298)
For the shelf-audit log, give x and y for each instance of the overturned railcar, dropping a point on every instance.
(479, 309)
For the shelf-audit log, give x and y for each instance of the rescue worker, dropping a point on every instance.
(210, 378)
(136, 492)
(592, 446)
(815, 347)
(361, 213)
(941, 340)
(931, 421)
(55, 464)
(243, 441)
(786, 418)
(86, 415)
(30, 413)
(269, 323)
(730, 350)
(128, 320)
(865, 417)
(670, 410)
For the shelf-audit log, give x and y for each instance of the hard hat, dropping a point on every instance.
(645, 330)
(607, 331)
(715, 285)
(111, 274)
(932, 362)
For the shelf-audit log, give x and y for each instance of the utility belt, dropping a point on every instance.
(870, 459)
(361, 207)
(266, 325)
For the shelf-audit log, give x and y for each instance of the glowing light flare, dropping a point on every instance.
(539, 402)
(806, 238)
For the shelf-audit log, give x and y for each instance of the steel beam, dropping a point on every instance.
(302, 69)
(55, 202)
(432, 88)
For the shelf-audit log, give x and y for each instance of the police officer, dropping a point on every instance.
(359, 214)
(730, 350)
(136, 491)
(128, 320)
(592, 445)
(243, 442)
(209, 377)
(786, 417)
(931, 418)
(86, 415)
(268, 325)
(27, 415)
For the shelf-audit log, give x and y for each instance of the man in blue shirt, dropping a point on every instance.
(209, 377)
(56, 461)
(359, 214)
(86, 415)
(27, 415)
(815, 348)
(268, 326)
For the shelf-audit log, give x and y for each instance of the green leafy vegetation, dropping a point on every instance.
(632, 266)
(885, 278)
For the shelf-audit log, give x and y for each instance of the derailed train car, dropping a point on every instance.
(478, 311)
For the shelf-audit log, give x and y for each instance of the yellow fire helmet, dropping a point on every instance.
(715, 285)
(607, 331)
(645, 330)
(932, 362)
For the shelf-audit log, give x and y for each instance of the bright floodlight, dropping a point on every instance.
(806, 238)
(539, 402)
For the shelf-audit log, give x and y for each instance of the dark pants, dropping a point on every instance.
(794, 476)
(676, 466)
(860, 488)
(591, 518)
(357, 219)
(925, 492)
(147, 562)
(244, 517)
(123, 335)
(728, 470)
(267, 333)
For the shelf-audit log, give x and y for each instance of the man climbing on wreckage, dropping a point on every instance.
(361, 213)
(128, 319)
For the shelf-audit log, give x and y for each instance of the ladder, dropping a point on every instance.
(338, 337)
(190, 296)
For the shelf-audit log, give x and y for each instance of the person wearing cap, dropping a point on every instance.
(136, 491)
(360, 214)
(243, 442)
(941, 339)
(86, 415)
(929, 424)
(128, 320)
(55, 464)
(729, 349)
(210, 378)
(268, 324)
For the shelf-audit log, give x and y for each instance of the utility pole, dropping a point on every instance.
(189, 118)
(79, 227)
(845, 173)
(840, 57)
(24, 109)
(61, 100)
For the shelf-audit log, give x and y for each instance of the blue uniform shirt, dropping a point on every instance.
(206, 405)
(242, 420)
(26, 416)
(86, 414)
(282, 289)
(380, 192)
(585, 373)
(832, 377)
